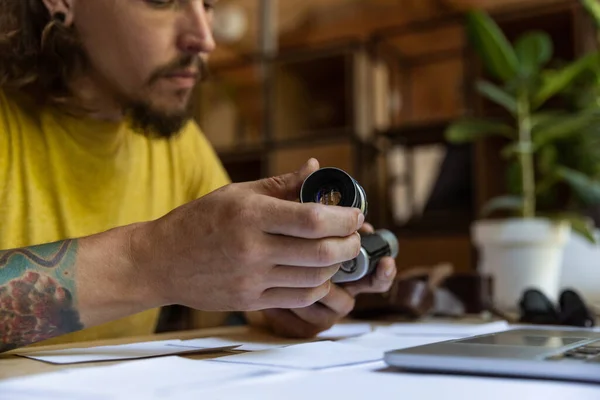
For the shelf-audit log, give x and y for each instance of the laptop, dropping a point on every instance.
(558, 354)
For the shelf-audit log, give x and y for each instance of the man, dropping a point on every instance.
(113, 204)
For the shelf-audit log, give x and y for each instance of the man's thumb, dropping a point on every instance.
(287, 186)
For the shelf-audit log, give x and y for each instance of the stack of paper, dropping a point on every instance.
(360, 385)
(316, 355)
(267, 342)
(240, 343)
(348, 369)
(345, 330)
(141, 379)
(449, 330)
(384, 341)
(123, 352)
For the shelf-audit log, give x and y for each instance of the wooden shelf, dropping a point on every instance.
(240, 153)
(419, 134)
(446, 222)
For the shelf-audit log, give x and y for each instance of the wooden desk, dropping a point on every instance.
(14, 366)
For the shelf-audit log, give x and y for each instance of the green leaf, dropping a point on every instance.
(516, 148)
(498, 96)
(512, 203)
(533, 49)
(562, 127)
(557, 81)
(470, 129)
(514, 178)
(492, 46)
(593, 8)
(548, 155)
(546, 184)
(581, 225)
(542, 119)
(586, 189)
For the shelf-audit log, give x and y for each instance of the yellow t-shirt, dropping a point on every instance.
(64, 177)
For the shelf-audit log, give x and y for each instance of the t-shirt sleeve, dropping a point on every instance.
(205, 170)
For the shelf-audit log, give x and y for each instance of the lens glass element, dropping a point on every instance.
(328, 196)
(349, 266)
(332, 186)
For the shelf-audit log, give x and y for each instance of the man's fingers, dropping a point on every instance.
(287, 324)
(286, 186)
(317, 315)
(301, 277)
(366, 228)
(339, 301)
(293, 297)
(285, 250)
(331, 308)
(379, 282)
(309, 220)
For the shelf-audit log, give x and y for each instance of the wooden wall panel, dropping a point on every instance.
(436, 91)
(443, 39)
(338, 155)
(498, 4)
(431, 250)
(305, 22)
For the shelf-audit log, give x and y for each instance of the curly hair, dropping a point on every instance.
(38, 54)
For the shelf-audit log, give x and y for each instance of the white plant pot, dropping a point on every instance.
(521, 254)
(581, 268)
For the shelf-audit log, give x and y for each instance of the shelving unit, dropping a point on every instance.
(363, 104)
(317, 107)
(420, 124)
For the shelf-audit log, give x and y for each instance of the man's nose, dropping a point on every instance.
(196, 35)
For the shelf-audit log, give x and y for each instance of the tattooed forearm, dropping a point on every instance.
(37, 294)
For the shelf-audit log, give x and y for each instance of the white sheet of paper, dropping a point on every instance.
(153, 378)
(315, 355)
(240, 344)
(443, 329)
(386, 341)
(118, 352)
(345, 330)
(360, 385)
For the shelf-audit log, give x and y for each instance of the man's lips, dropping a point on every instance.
(184, 79)
(183, 74)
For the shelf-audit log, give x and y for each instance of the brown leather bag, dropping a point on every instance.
(412, 295)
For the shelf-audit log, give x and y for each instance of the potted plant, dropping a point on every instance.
(581, 152)
(524, 250)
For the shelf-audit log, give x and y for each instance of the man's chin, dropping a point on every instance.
(151, 122)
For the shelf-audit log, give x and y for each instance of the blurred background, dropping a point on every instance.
(372, 87)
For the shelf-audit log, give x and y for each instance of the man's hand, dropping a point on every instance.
(309, 321)
(247, 246)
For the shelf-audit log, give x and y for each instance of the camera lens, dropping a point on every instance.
(374, 247)
(328, 196)
(332, 186)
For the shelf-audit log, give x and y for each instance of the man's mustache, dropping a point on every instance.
(195, 63)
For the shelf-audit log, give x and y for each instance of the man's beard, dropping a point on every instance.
(146, 120)
(151, 122)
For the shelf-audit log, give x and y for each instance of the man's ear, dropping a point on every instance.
(61, 6)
